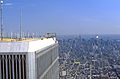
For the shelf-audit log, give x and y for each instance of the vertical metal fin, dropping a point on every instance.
(23, 65)
(16, 67)
(0, 68)
(19, 67)
(13, 75)
(6, 60)
(3, 72)
(10, 66)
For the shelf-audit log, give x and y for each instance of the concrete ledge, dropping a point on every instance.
(27, 46)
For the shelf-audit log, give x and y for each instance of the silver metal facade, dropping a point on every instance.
(41, 64)
(12, 66)
(47, 63)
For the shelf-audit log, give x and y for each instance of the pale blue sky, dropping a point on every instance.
(63, 16)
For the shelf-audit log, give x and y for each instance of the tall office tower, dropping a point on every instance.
(29, 58)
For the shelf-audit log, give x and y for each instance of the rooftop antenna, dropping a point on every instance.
(1, 21)
(20, 23)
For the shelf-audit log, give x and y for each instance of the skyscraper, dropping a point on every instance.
(29, 58)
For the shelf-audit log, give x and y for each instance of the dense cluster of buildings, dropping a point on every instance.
(89, 58)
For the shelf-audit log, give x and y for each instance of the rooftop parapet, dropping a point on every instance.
(27, 44)
(28, 38)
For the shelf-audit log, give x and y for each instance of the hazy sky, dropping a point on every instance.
(63, 16)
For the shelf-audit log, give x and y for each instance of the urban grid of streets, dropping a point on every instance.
(89, 58)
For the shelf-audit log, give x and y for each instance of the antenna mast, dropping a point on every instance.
(20, 23)
(1, 22)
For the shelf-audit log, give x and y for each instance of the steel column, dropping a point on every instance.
(6, 60)
(16, 67)
(23, 65)
(19, 67)
(3, 67)
(13, 67)
(10, 66)
(0, 68)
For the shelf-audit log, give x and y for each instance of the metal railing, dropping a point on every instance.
(26, 36)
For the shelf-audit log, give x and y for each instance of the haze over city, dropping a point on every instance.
(63, 16)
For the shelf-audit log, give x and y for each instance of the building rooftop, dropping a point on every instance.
(21, 40)
(26, 44)
(8, 39)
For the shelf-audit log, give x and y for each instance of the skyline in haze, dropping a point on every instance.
(63, 16)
